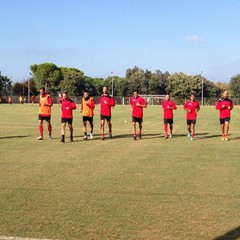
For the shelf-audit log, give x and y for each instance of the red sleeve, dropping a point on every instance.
(73, 105)
(143, 102)
(50, 100)
(174, 107)
(185, 106)
(92, 106)
(111, 102)
(218, 105)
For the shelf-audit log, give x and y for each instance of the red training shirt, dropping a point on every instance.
(137, 111)
(106, 103)
(68, 105)
(168, 106)
(224, 105)
(192, 107)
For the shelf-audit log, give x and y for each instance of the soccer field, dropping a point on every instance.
(153, 188)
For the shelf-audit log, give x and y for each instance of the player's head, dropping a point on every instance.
(225, 94)
(135, 93)
(167, 97)
(105, 90)
(42, 91)
(192, 97)
(85, 94)
(65, 95)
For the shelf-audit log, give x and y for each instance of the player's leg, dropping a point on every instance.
(165, 128)
(226, 129)
(140, 129)
(85, 129)
(49, 129)
(192, 130)
(63, 127)
(91, 128)
(223, 131)
(188, 128)
(102, 123)
(109, 128)
(171, 129)
(134, 129)
(40, 129)
(71, 130)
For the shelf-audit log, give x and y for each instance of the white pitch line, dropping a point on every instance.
(20, 238)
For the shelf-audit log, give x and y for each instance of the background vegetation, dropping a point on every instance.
(57, 79)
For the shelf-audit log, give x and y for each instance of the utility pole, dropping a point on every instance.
(202, 85)
(112, 83)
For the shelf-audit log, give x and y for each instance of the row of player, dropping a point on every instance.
(138, 103)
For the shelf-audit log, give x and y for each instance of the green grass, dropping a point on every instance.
(118, 189)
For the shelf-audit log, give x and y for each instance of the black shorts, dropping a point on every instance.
(46, 118)
(168, 120)
(108, 118)
(223, 120)
(135, 119)
(67, 120)
(85, 119)
(191, 121)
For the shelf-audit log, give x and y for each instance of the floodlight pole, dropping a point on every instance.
(202, 85)
(112, 83)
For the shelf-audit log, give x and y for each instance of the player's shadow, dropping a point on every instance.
(235, 138)
(128, 135)
(233, 234)
(206, 136)
(10, 137)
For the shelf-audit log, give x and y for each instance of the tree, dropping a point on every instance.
(73, 81)
(157, 83)
(123, 87)
(234, 86)
(46, 75)
(137, 79)
(94, 85)
(5, 85)
(181, 85)
(221, 86)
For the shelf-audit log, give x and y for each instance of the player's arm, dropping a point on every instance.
(81, 105)
(185, 107)
(112, 102)
(163, 106)
(91, 104)
(49, 102)
(73, 105)
(174, 107)
(142, 104)
(231, 106)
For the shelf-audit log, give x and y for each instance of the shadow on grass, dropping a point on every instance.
(210, 136)
(235, 138)
(9, 137)
(231, 235)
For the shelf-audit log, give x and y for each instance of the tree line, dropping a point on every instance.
(57, 79)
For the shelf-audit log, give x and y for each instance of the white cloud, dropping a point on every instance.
(194, 38)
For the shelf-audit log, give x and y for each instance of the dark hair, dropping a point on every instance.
(65, 92)
(42, 88)
(136, 90)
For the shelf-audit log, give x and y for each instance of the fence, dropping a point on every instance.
(151, 100)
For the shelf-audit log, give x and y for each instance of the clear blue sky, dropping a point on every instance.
(104, 36)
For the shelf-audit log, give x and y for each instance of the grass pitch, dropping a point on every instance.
(119, 188)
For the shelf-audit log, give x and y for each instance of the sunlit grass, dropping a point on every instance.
(118, 189)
